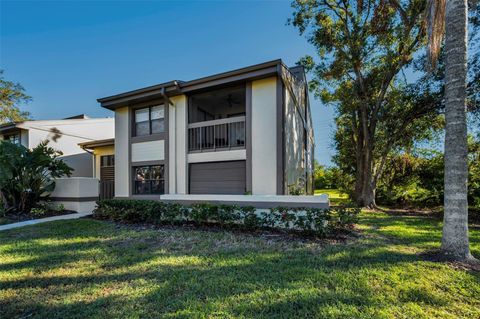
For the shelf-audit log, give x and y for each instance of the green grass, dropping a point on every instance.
(95, 269)
(336, 197)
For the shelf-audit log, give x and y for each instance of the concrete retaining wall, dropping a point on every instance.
(257, 201)
(76, 193)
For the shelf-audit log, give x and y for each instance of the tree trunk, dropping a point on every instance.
(365, 181)
(455, 228)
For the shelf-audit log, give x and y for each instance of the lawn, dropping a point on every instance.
(336, 197)
(94, 269)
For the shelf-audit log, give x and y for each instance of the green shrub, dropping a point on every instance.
(313, 221)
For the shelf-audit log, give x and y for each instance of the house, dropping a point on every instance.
(246, 131)
(63, 135)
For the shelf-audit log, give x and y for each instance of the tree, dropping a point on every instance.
(451, 17)
(27, 176)
(363, 47)
(12, 94)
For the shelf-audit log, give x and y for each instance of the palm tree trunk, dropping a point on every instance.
(455, 228)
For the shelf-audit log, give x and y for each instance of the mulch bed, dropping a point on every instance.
(271, 234)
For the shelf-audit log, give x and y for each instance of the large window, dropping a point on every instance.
(149, 179)
(150, 120)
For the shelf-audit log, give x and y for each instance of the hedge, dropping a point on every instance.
(313, 221)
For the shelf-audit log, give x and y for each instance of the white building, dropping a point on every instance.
(63, 135)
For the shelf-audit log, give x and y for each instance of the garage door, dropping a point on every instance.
(218, 178)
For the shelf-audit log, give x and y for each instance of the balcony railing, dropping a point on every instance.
(217, 135)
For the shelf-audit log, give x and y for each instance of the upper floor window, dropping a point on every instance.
(150, 120)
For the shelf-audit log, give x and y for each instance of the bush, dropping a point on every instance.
(318, 222)
(27, 176)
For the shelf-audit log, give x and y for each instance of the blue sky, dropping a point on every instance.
(69, 53)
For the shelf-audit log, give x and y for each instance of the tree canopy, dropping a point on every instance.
(11, 95)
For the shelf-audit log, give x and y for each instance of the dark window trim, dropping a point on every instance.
(163, 179)
(112, 156)
(149, 106)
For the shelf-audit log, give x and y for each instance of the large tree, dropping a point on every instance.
(363, 47)
(451, 17)
(11, 95)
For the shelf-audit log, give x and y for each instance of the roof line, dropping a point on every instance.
(172, 85)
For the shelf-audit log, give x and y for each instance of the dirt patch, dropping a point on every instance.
(272, 235)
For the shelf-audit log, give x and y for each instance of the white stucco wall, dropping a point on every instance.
(177, 175)
(70, 133)
(64, 135)
(76, 193)
(122, 180)
(264, 137)
(148, 151)
(234, 155)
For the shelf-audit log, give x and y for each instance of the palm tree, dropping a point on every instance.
(451, 16)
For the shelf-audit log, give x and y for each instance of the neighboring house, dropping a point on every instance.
(103, 164)
(63, 135)
(247, 131)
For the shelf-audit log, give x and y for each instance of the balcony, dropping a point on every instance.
(217, 135)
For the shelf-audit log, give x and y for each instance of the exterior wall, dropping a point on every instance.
(76, 193)
(294, 145)
(64, 135)
(221, 156)
(298, 137)
(264, 136)
(98, 153)
(148, 151)
(178, 183)
(122, 153)
(257, 201)
(24, 138)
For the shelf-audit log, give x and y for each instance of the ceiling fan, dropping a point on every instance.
(231, 100)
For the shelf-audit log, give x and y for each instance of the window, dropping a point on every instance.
(107, 160)
(150, 120)
(13, 138)
(149, 179)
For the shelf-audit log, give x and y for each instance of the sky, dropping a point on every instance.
(69, 53)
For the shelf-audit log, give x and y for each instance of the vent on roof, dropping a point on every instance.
(77, 117)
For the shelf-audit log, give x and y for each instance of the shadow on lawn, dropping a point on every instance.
(135, 274)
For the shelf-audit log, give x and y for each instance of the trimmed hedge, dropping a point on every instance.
(313, 221)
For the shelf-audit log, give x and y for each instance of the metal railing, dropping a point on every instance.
(217, 135)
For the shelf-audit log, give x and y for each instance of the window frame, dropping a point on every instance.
(150, 180)
(110, 159)
(150, 120)
(17, 140)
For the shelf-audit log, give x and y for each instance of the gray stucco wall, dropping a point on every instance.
(298, 136)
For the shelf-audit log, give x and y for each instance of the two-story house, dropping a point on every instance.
(246, 131)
